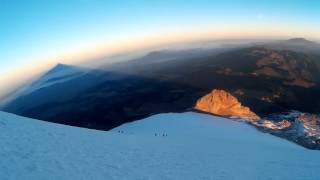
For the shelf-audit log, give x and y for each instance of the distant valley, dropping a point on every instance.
(269, 78)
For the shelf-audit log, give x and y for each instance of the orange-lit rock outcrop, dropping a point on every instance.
(222, 103)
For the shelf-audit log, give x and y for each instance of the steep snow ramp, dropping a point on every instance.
(195, 146)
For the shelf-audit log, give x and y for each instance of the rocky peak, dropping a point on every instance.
(222, 103)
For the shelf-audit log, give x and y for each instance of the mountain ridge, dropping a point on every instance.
(300, 40)
(223, 103)
(265, 80)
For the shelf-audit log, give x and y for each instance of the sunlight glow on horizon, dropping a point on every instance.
(35, 35)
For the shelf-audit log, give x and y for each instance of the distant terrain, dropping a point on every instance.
(269, 78)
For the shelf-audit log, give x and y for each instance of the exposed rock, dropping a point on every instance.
(222, 103)
(310, 124)
(266, 99)
(268, 71)
(299, 82)
(271, 98)
(272, 57)
(239, 92)
(299, 127)
(273, 125)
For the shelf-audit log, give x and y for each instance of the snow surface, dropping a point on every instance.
(197, 146)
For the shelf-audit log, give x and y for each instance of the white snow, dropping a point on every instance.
(197, 146)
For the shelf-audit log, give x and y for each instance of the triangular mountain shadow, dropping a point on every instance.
(62, 67)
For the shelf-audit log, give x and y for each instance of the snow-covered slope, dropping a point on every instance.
(197, 146)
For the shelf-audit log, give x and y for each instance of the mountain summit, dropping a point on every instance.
(222, 103)
(299, 40)
(62, 68)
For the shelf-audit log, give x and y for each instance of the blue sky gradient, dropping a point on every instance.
(33, 31)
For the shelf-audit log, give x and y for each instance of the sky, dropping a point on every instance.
(36, 34)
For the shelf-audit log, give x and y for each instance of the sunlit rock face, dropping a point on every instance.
(222, 103)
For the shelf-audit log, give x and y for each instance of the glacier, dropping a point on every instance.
(165, 146)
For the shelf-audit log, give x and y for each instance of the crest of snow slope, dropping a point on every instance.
(198, 146)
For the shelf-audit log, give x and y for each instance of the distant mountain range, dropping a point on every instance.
(268, 78)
